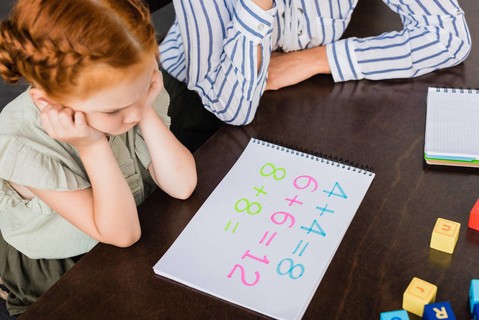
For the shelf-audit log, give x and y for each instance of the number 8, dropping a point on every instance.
(292, 266)
(273, 171)
(248, 206)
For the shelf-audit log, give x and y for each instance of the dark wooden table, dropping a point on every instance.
(380, 124)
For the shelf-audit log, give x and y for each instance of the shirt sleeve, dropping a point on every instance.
(42, 164)
(35, 230)
(435, 36)
(219, 54)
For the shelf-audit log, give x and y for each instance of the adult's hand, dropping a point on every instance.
(289, 68)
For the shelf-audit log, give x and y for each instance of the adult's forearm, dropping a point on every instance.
(435, 36)
(217, 56)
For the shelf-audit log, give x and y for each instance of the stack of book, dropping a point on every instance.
(452, 127)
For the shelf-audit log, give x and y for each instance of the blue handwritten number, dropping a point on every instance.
(341, 193)
(291, 268)
(315, 228)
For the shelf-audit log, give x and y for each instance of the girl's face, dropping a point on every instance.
(116, 109)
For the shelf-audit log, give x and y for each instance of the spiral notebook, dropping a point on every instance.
(265, 236)
(452, 130)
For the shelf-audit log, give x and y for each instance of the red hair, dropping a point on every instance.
(53, 43)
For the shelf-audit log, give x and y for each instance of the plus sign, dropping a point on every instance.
(260, 191)
(293, 201)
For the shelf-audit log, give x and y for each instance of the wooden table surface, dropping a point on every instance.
(379, 124)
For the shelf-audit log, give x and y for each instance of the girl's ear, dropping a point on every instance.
(40, 98)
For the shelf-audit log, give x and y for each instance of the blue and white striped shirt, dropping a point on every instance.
(212, 46)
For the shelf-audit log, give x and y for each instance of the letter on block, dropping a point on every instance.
(475, 312)
(439, 310)
(474, 293)
(394, 315)
(445, 234)
(417, 295)
(474, 217)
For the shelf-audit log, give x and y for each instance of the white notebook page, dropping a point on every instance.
(452, 123)
(266, 235)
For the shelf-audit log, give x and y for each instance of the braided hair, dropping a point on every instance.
(50, 43)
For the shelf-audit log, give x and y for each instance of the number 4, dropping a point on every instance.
(341, 193)
(314, 225)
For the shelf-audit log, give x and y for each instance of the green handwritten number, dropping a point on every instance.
(270, 169)
(252, 208)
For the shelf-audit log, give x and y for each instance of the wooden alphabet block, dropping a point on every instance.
(439, 310)
(445, 234)
(417, 295)
(474, 294)
(475, 312)
(394, 315)
(474, 217)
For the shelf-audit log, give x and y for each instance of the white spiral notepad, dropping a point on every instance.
(265, 236)
(452, 130)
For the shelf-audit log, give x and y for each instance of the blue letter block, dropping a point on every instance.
(438, 310)
(474, 293)
(395, 315)
(475, 312)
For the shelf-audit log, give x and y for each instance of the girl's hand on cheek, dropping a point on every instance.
(66, 125)
(155, 87)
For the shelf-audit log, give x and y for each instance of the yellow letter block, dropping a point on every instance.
(445, 234)
(417, 295)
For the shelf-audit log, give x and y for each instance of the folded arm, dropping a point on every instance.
(435, 36)
(106, 211)
(172, 166)
(224, 56)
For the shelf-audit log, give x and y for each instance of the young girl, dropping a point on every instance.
(84, 144)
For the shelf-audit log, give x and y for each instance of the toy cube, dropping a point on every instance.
(475, 312)
(394, 315)
(445, 234)
(474, 293)
(417, 295)
(474, 217)
(439, 310)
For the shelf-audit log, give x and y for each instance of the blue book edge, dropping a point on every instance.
(451, 158)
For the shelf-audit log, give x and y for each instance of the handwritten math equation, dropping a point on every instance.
(282, 221)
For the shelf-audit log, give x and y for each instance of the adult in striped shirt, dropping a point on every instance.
(229, 52)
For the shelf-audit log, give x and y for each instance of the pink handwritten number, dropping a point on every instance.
(285, 215)
(249, 255)
(243, 275)
(300, 182)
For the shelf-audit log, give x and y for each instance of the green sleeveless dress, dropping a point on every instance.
(36, 243)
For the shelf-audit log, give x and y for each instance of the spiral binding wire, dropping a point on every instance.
(318, 156)
(457, 90)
